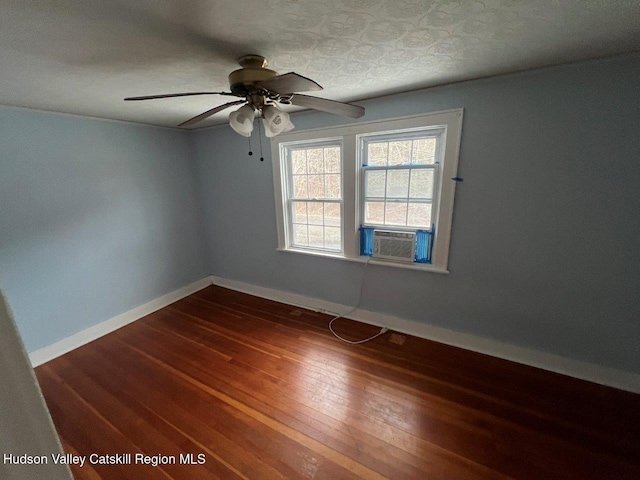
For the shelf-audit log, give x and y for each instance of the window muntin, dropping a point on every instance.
(399, 174)
(314, 195)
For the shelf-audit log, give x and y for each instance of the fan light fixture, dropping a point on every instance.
(275, 121)
(241, 120)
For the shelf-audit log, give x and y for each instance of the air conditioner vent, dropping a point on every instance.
(394, 245)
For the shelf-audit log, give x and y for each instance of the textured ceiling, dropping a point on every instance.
(84, 57)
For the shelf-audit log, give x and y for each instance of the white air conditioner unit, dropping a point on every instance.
(394, 245)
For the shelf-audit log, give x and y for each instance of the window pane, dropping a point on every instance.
(421, 184)
(374, 213)
(315, 159)
(424, 151)
(315, 213)
(332, 238)
(398, 183)
(377, 154)
(298, 162)
(332, 160)
(316, 186)
(400, 152)
(299, 212)
(375, 183)
(300, 186)
(316, 235)
(419, 215)
(395, 213)
(332, 186)
(300, 236)
(332, 214)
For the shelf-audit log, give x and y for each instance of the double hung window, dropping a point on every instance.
(336, 187)
(314, 195)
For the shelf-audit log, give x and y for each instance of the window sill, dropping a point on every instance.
(372, 261)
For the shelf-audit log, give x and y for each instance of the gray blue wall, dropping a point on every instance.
(545, 243)
(96, 218)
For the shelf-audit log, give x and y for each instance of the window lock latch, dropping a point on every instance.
(457, 179)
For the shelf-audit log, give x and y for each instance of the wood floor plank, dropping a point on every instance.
(264, 391)
(297, 402)
(253, 392)
(98, 435)
(196, 417)
(582, 433)
(483, 445)
(147, 431)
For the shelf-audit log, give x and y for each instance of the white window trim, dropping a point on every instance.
(451, 120)
(286, 177)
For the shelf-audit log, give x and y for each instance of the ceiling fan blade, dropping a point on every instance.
(208, 113)
(289, 83)
(329, 106)
(169, 95)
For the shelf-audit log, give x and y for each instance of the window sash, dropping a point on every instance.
(408, 198)
(435, 167)
(323, 225)
(404, 228)
(291, 198)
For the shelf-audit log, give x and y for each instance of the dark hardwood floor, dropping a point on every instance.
(264, 391)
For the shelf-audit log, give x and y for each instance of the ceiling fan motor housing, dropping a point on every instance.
(242, 81)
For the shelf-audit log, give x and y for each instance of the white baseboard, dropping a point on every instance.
(43, 355)
(574, 368)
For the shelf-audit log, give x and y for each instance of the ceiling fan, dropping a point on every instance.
(261, 89)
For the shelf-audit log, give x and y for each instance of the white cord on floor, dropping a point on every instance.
(382, 330)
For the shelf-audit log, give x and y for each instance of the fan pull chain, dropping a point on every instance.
(250, 152)
(260, 132)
